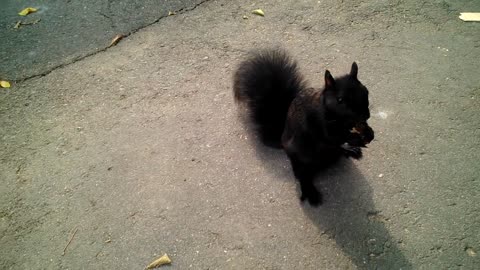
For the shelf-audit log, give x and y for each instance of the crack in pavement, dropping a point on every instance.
(125, 35)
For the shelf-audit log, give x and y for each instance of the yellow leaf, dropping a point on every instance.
(27, 11)
(4, 84)
(116, 39)
(160, 261)
(470, 16)
(258, 12)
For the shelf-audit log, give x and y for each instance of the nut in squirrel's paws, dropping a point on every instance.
(354, 130)
(360, 135)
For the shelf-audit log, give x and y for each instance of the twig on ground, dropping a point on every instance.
(69, 241)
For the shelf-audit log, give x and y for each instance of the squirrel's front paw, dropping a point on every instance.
(352, 151)
(314, 198)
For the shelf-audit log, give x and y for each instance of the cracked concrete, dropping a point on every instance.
(72, 30)
(141, 149)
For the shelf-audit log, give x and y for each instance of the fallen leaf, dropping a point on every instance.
(159, 262)
(4, 84)
(27, 11)
(20, 23)
(471, 252)
(258, 12)
(115, 40)
(170, 13)
(470, 16)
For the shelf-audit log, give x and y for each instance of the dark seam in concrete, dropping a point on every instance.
(45, 73)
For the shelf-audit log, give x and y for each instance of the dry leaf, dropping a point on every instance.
(170, 13)
(470, 16)
(34, 22)
(115, 40)
(20, 23)
(27, 11)
(159, 262)
(258, 12)
(4, 84)
(471, 252)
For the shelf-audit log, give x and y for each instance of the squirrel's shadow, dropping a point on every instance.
(348, 214)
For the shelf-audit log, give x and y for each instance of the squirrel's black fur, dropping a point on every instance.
(313, 126)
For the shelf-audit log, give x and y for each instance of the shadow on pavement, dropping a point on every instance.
(348, 214)
(349, 217)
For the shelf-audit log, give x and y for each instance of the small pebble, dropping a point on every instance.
(380, 175)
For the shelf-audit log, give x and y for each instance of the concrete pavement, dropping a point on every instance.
(71, 30)
(140, 147)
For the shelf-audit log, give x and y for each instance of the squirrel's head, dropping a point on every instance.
(346, 100)
(346, 97)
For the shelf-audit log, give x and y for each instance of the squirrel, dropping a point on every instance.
(315, 127)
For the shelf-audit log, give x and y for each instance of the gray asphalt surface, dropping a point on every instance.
(70, 30)
(141, 149)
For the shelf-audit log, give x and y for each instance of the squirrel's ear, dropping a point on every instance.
(329, 81)
(354, 70)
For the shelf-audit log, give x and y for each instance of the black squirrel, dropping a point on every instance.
(315, 127)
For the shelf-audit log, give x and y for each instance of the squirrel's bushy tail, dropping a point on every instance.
(267, 82)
